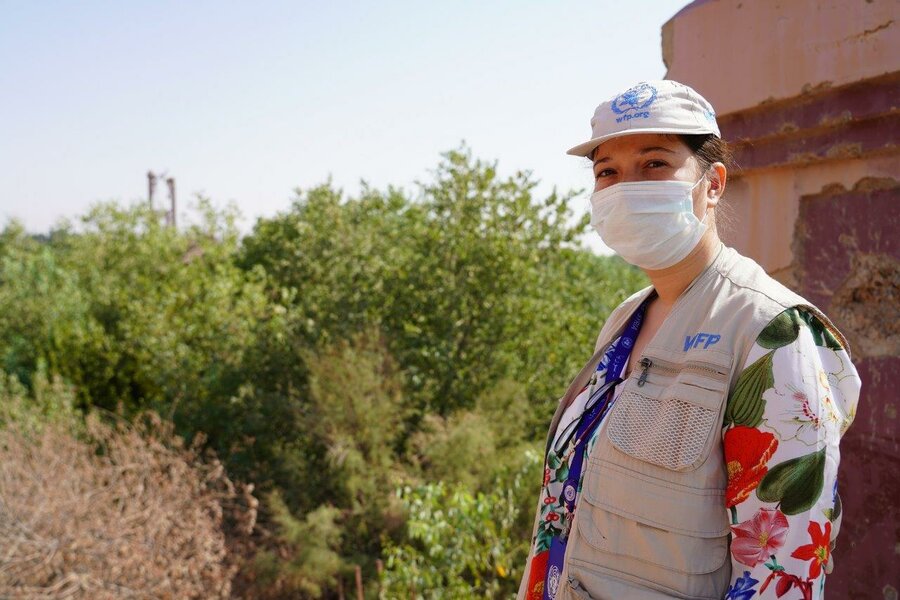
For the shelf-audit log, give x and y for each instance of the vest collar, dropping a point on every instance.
(717, 264)
(723, 254)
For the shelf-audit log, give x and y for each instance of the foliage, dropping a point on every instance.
(310, 545)
(129, 310)
(459, 278)
(47, 403)
(345, 348)
(461, 545)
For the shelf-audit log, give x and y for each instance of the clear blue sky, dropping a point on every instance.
(247, 101)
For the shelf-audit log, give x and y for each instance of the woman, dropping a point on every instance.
(695, 455)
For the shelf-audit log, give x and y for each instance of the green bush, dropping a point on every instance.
(345, 348)
(460, 544)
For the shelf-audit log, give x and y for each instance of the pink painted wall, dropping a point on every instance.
(743, 53)
(807, 92)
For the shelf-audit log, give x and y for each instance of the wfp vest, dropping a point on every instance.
(651, 521)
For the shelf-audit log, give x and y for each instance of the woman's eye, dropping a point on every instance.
(655, 163)
(603, 173)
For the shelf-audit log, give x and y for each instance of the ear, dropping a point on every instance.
(718, 177)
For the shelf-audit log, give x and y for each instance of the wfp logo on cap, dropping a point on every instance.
(632, 103)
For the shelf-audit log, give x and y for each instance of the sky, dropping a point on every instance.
(248, 101)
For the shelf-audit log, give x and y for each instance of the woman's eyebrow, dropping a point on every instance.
(601, 160)
(652, 148)
(640, 152)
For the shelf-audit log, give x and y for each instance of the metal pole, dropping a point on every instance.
(171, 183)
(151, 187)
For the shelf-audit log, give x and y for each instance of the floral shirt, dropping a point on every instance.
(794, 399)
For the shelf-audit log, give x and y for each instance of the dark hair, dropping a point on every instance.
(708, 148)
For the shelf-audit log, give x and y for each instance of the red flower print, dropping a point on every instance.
(552, 516)
(786, 582)
(783, 586)
(758, 538)
(546, 476)
(549, 499)
(747, 450)
(818, 550)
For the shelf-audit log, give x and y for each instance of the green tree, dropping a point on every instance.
(471, 280)
(460, 544)
(346, 347)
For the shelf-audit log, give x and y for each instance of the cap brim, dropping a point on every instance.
(585, 148)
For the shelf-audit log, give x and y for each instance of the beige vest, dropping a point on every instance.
(651, 521)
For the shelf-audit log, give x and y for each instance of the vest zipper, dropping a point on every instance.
(578, 589)
(659, 365)
(646, 363)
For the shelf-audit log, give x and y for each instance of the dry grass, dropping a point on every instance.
(133, 513)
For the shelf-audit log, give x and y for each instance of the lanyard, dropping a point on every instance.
(599, 404)
(589, 415)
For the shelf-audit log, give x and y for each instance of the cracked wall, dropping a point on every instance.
(807, 94)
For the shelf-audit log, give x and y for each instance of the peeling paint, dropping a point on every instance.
(847, 260)
(826, 109)
(870, 184)
(831, 121)
(809, 88)
(832, 189)
(788, 128)
(844, 151)
(868, 304)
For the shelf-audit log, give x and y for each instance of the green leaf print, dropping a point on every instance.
(746, 405)
(544, 537)
(562, 473)
(796, 483)
(821, 334)
(833, 514)
(553, 460)
(781, 331)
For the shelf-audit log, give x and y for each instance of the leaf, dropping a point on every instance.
(746, 405)
(822, 336)
(544, 539)
(553, 460)
(796, 483)
(781, 331)
(834, 514)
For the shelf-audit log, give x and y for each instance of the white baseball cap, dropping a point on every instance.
(659, 106)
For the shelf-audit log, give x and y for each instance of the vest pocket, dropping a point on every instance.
(655, 535)
(652, 516)
(672, 427)
(576, 589)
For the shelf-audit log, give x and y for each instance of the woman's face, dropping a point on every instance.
(650, 157)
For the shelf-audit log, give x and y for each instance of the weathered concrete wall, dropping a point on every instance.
(807, 93)
(764, 50)
(797, 146)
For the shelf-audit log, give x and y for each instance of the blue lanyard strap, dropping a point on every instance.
(593, 411)
(626, 343)
(598, 405)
